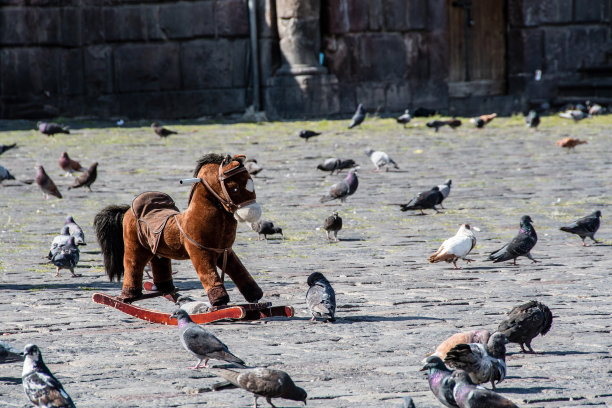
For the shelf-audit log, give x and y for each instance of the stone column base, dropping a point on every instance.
(298, 96)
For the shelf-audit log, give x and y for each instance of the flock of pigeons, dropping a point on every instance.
(477, 356)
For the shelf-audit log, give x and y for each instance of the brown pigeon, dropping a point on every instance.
(570, 142)
(483, 120)
(162, 131)
(472, 336)
(264, 382)
(51, 128)
(69, 165)
(45, 183)
(333, 223)
(525, 322)
(87, 178)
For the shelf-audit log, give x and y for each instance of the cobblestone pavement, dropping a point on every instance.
(394, 307)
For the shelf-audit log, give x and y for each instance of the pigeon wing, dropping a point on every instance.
(520, 245)
(321, 300)
(44, 390)
(262, 381)
(204, 344)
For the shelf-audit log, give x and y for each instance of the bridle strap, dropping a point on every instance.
(224, 251)
(227, 200)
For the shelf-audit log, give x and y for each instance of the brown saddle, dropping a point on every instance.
(152, 210)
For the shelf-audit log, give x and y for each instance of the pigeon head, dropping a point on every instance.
(369, 151)
(434, 362)
(435, 188)
(69, 219)
(449, 182)
(526, 220)
(65, 230)
(597, 214)
(360, 108)
(497, 345)
(65, 155)
(314, 277)
(335, 214)
(154, 124)
(296, 394)
(181, 315)
(278, 230)
(33, 352)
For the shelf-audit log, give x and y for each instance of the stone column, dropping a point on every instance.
(300, 36)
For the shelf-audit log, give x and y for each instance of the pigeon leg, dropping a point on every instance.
(57, 275)
(314, 319)
(531, 257)
(74, 275)
(529, 347)
(387, 169)
(596, 241)
(436, 210)
(259, 237)
(455, 264)
(336, 235)
(89, 187)
(523, 348)
(441, 206)
(422, 213)
(493, 384)
(514, 261)
(195, 367)
(269, 400)
(327, 235)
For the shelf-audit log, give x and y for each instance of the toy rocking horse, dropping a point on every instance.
(153, 230)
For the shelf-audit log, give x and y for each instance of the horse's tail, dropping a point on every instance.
(109, 231)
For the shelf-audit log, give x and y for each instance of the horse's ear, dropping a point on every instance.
(240, 158)
(226, 160)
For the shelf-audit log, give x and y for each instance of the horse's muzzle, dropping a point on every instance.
(248, 213)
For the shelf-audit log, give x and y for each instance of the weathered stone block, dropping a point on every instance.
(147, 67)
(70, 29)
(429, 94)
(214, 63)
(339, 57)
(71, 71)
(186, 20)
(435, 13)
(591, 10)
(301, 96)
(398, 97)
(92, 19)
(296, 8)
(381, 57)
(29, 71)
(525, 50)
(555, 11)
(13, 27)
(375, 15)
(232, 18)
(401, 15)
(132, 23)
(556, 49)
(417, 55)
(269, 58)
(98, 68)
(336, 12)
(358, 15)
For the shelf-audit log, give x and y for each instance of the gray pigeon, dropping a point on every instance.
(45, 183)
(5, 174)
(404, 118)
(380, 159)
(202, 343)
(425, 200)
(407, 402)
(51, 128)
(75, 231)
(335, 164)
(264, 382)
(4, 148)
(265, 228)
(252, 166)
(444, 190)
(343, 189)
(41, 387)
(532, 119)
(307, 134)
(484, 363)
(162, 131)
(525, 322)
(468, 395)
(64, 252)
(584, 227)
(441, 383)
(333, 223)
(8, 354)
(358, 117)
(87, 178)
(521, 244)
(320, 297)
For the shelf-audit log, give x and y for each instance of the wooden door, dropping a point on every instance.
(478, 69)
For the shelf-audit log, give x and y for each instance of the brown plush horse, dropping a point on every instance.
(153, 230)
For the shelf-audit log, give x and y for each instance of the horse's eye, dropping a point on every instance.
(235, 189)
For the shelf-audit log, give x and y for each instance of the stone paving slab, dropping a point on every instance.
(393, 306)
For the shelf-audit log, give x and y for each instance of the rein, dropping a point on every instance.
(226, 200)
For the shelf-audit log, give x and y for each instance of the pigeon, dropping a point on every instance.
(444, 190)
(343, 188)
(162, 131)
(320, 297)
(473, 336)
(69, 165)
(64, 252)
(525, 322)
(265, 228)
(425, 200)
(45, 183)
(41, 387)
(595, 109)
(4, 148)
(575, 114)
(437, 124)
(51, 129)
(584, 227)
(407, 402)
(252, 166)
(333, 223)
(484, 363)
(5, 174)
(358, 117)
(202, 343)
(469, 395)
(307, 134)
(87, 178)
(483, 120)
(532, 119)
(457, 247)
(264, 382)
(441, 383)
(380, 159)
(8, 354)
(570, 142)
(521, 244)
(405, 118)
(422, 112)
(337, 165)
(75, 230)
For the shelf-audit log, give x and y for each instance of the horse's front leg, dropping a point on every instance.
(205, 264)
(162, 274)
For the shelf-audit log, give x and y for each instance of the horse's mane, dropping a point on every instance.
(207, 159)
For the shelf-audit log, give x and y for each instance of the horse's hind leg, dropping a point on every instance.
(162, 274)
(135, 259)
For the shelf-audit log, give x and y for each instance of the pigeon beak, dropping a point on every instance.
(476, 229)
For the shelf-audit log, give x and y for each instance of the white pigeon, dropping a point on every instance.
(380, 159)
(575, 114)
(457, 247)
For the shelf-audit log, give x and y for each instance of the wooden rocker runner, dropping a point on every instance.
(153, 230)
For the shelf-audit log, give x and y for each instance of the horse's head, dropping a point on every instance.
(230, 182)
